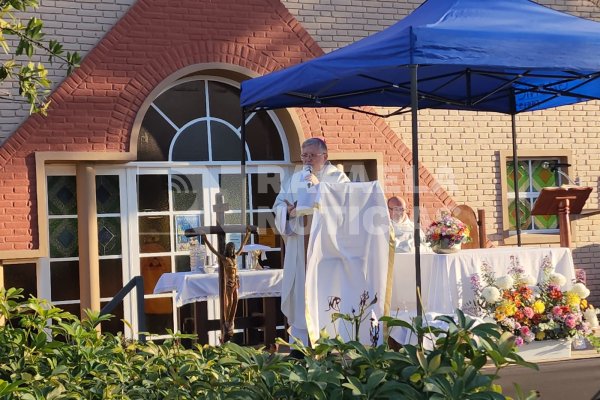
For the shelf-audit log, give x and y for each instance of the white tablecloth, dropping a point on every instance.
(446, 278)
(197, 286)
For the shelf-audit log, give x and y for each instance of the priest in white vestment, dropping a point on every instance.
(404, 229)
(290, 225)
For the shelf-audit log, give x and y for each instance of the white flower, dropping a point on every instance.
(526, 279)
(530, 280)
(591, 317)
(504, 282)
(490, 294)
(580, 290)
(557, 279)
(374, 320)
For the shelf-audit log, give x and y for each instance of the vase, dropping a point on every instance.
(442, 248)
(545, 350)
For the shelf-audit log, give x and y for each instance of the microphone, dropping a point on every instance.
(556, 166)
(308, 169)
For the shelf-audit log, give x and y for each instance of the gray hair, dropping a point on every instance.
(320, 143)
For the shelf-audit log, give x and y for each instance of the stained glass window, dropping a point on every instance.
(62, 195)
(532, 176)
(107, 194)
(63, 237)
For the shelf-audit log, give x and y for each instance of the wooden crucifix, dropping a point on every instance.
(226, 254)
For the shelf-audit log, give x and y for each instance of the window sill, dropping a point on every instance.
(533, 238)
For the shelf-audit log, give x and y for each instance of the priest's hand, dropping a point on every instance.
(312, 179)
(291, 209)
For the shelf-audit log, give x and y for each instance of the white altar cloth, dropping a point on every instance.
(446, 278)
(197, 286)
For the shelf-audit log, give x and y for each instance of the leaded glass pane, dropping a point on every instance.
(154, 234)
(153, 194)
(268, 236)
(73, 308)
(64, 280)
(158, 323)
(265, 188)
(159, 311)
(152, 268)
(231, 185)
(263, 139)
(21, 276)
(115, 324)
(545, 221)
(522, 176)
(155, 137)
(226, 144)
(62, 195)
(109, 236)
(183, 103)
(234, 218)
(183, 222)
(542, 177)
(524, 216)
(187, 192)
(224, 102)
(182, 263)
(63, 237)
(107, 194)
(111, 277)
(192, 143)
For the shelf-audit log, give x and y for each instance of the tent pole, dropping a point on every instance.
(243, 165)
(515, 177)
(414, 105)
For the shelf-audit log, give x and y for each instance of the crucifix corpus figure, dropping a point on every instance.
(227, 261)
(228, 264)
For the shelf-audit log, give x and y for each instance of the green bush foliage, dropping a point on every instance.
(46, 353)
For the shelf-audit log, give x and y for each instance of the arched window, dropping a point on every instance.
(189, 149)
(198, 119)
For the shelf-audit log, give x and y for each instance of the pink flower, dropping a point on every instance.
(519, 341)
(570, 321)
(557, 310)
(525, 330)
(528, 311)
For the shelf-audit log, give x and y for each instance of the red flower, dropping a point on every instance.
(519, 316)
(555, 293)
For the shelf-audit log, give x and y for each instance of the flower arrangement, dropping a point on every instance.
(447, 232)
(533, 311)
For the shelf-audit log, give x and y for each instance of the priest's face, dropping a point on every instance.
(397, 209)
(315, 157)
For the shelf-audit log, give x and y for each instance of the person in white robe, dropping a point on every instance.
(316, 169)
(404, 228)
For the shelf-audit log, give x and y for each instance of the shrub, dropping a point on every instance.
(46, 353)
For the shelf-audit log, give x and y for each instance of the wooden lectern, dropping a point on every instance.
(562, 201)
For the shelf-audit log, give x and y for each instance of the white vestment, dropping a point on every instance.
(349, 253)
(292, 232)
(404, 232)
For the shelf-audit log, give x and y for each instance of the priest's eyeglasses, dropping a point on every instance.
(309, 156)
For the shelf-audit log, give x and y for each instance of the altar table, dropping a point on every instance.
(446, 278)
(197, 288)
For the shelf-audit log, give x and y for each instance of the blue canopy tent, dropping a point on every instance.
(507, 56)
